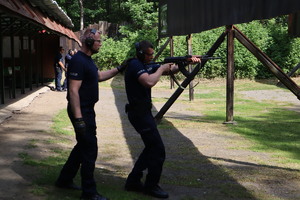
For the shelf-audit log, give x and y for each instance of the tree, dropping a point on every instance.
(81, 14)
(84, 13)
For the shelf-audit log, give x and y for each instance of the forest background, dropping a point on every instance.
(138, 20)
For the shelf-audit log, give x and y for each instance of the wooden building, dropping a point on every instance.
(30, 35)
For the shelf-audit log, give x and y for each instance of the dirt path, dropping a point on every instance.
(29, 117)
(119, 145)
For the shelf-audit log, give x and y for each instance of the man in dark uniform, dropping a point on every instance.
(68, 58)
(140, 77)
(83, 78)
(58, 68)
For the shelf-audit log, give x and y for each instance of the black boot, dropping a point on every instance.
(157, 192)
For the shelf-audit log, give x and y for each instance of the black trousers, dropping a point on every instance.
(58, 77)
(153, 155)
(84, 154)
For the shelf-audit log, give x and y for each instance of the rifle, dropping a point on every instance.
(182, 62)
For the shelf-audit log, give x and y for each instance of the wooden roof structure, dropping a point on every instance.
(183, 17)
(15, 13)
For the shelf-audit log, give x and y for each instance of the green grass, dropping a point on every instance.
(62, 124)
(269, 125)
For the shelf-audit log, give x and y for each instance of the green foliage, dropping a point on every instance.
(142, 14)
(114, 11)
(246, 65)
(142, 27)
(112, 53)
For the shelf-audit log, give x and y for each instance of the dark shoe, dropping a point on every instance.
(135, 187)
(94, 197)
(157, 192)
(71, 186)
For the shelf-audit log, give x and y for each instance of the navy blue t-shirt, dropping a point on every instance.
(82, 67)
(137, 94)
(58, 58)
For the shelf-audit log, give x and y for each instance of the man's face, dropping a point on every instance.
(149, 55)
(97, 43)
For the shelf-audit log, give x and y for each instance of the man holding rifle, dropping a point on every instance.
(140, 77)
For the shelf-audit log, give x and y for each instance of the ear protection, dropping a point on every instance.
(139, 51)
(89, 41)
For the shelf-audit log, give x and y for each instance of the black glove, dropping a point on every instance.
(123, 65)
(79, 126)
(121, 68)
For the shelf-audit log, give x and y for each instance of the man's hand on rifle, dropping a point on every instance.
(194, 60)
(166, 68)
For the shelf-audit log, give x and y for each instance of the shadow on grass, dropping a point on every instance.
(187, 173)
(40, 176)
(276, 130)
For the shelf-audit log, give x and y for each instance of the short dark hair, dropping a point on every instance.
(141, 48)
(144, 45)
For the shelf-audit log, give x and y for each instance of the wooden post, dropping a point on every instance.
(41, 52)
(22, 66)
(230, 75)
(1, 70)
(171, 54)
(30, 63)
(12, 46)
(36, 56)
(190, 52)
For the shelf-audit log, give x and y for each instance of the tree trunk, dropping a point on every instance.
(108, 9)
(81, 14)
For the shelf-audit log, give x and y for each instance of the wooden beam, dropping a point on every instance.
(172, 84)
(264, 59)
